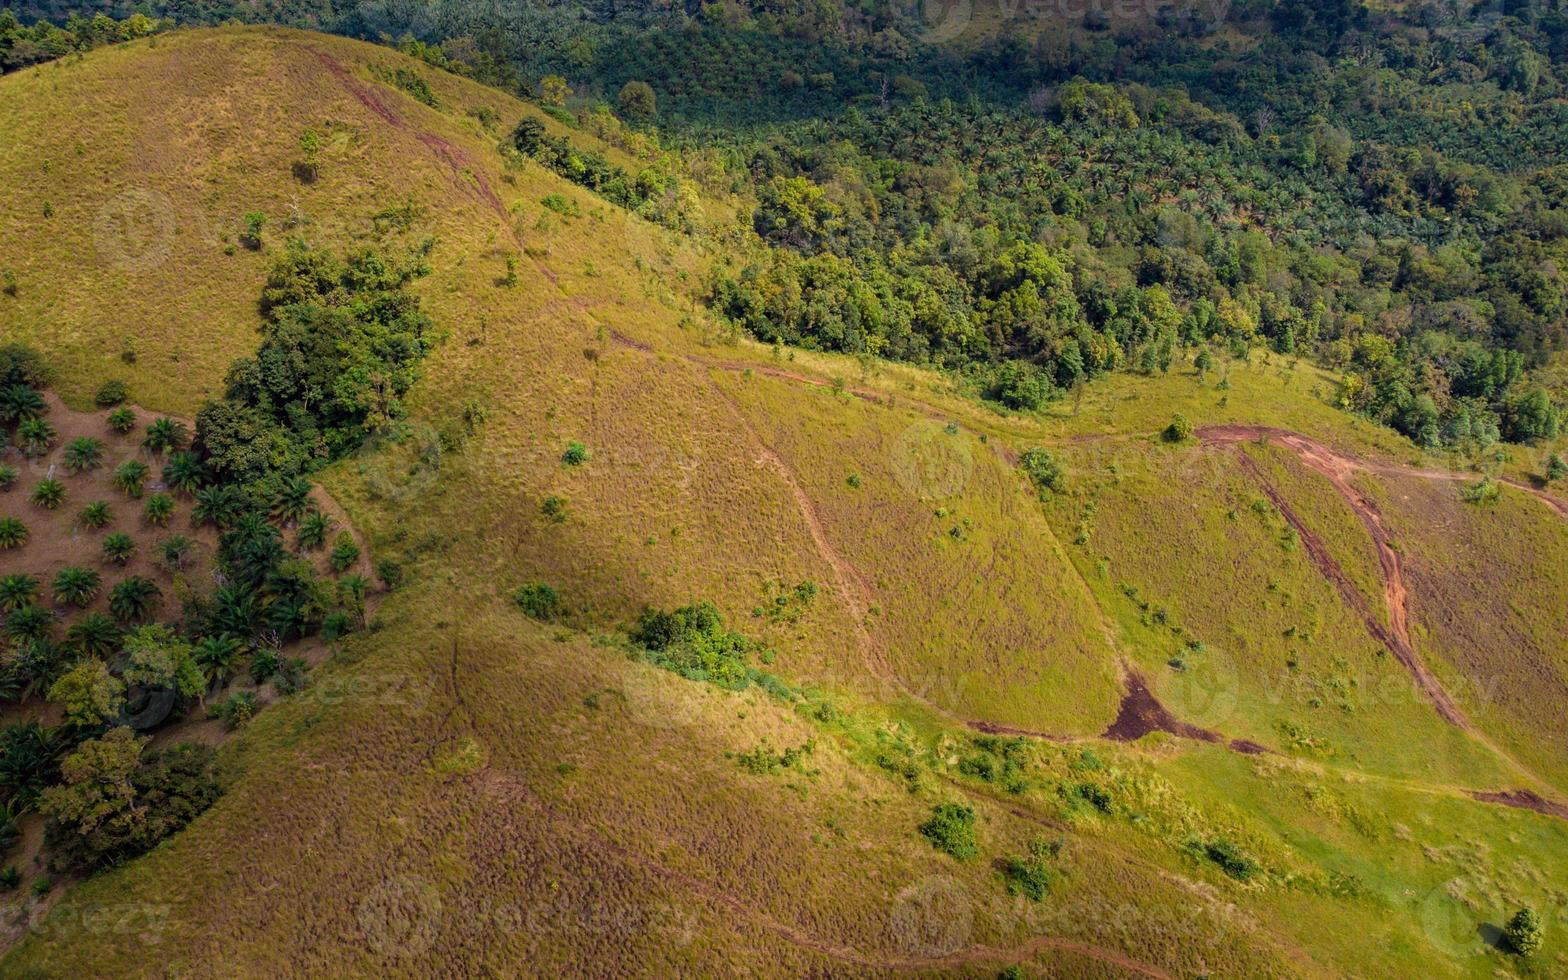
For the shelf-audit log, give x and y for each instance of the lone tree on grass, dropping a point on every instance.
(1556, 469)
(1180, 429)
(1522, 934)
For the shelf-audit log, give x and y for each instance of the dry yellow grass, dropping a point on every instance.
(464, 791)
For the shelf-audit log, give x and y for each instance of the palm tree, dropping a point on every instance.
(353, 588)
(94, 635)
(8, 476)
(84, 453)
(218, 505)
(164, 434)
(13, 533)
(122, 421)
(76, 586)
(49, 493)
(118, 547)
(29, 622)
(184, 472)
(158, 509)
(173, 551)
(35, 435)
(132, 599)
(130, 476)
(313, 530)
(293, 499)
(233, 611)
(17, 590)
(95, 515)
(216, 654)
(19, 402)
(28, 762)
(344, 553)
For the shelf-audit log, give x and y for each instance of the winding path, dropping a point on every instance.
(1337, 468)
(1140, 712)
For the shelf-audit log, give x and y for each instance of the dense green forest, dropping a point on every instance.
(1053, 200)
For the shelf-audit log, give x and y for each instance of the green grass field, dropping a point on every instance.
(463, 790)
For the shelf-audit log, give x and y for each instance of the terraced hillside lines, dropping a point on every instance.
(850, 585)
(977, 607)
(841, 952)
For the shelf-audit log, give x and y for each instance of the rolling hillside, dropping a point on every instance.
(1270, 701)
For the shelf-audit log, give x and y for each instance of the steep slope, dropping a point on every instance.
(463, 789)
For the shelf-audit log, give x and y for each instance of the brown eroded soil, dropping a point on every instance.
(1337, 468)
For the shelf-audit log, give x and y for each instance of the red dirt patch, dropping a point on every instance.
(457, 160)
(1337, 467)
(1141, 713)
(1523, 799)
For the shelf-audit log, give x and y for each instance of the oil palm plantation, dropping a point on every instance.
(174, 551)
(19, 402)
(218, 505)
(293, 500)
(95, 515)
(29, 761)
(119, 547)
(217, 654)
(158, 509)
(17, 590)
(13, 533)
(313, 529)
(29, 622)
(35, 435)
(165, 434)
(185, 473)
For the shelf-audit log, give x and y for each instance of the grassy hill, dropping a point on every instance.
(466, 789)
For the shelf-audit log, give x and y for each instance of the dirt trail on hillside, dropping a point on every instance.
(745, 907)
(463, 170)
(853, 590)
(1337, 468)
(1523, 799)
